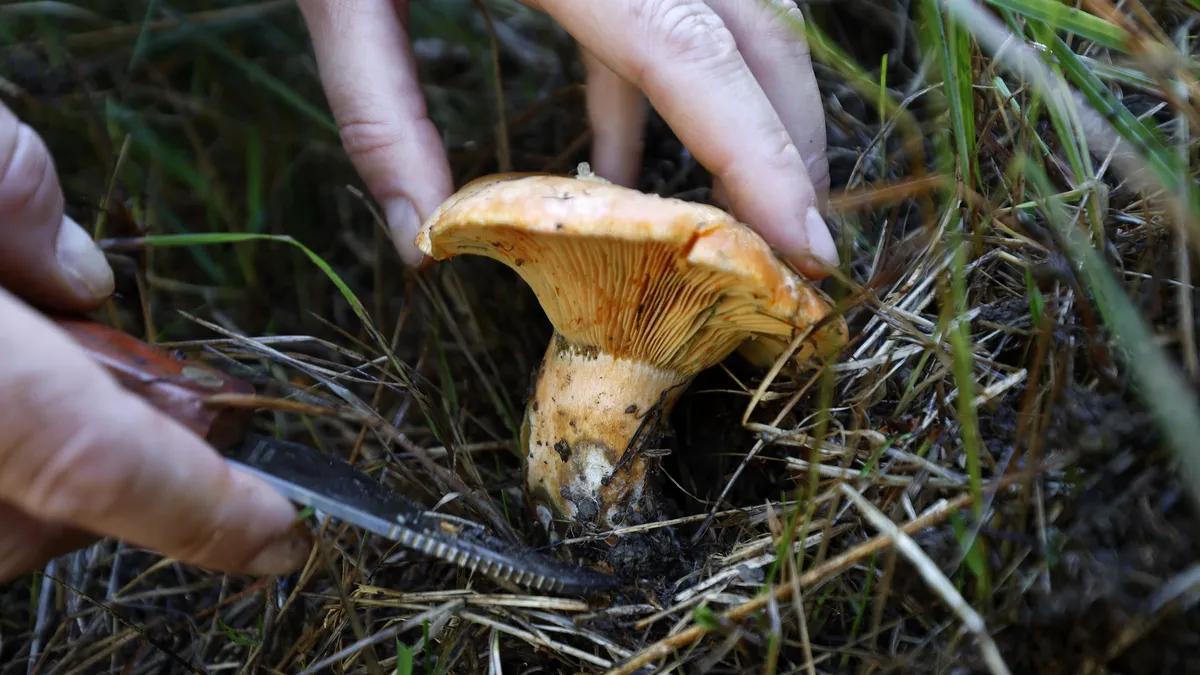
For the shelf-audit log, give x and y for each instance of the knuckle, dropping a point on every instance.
(24, 167)
(777, 156)
(783, 16)
(689, 30)
(782, 155)
(79, 478)
(362, 137)
(386, 147)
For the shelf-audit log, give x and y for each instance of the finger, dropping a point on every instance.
(26, 543)
(80, 450)
(681, 54)
(778, 55)
(44, 256)
(370, 78)
(617, 112)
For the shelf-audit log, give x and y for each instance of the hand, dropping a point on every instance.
(731, 77)
(80, 456)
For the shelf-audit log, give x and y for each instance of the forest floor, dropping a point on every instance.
(1019, 400)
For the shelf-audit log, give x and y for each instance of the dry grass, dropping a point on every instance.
(997, 475)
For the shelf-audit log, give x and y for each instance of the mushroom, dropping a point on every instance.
(644, 292)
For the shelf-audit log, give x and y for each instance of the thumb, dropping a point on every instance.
(81, 453)
(45, 256)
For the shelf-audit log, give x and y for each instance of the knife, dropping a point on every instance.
(312, 478)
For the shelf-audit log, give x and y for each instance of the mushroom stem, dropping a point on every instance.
(589, 433)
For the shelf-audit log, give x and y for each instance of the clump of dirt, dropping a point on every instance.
(650, 560)
(1101, 422)
(1118, 530)
(1115, 551)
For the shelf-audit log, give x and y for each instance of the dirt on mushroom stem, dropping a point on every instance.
(587, 433)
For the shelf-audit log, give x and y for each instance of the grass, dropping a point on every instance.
(997, 475)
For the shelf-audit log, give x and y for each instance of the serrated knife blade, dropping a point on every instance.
(335, 487)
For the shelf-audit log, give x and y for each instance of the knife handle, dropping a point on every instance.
(176, 387)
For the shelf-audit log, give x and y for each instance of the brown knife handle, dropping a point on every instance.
(177, 387)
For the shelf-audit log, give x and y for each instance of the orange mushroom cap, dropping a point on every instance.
(674, 283)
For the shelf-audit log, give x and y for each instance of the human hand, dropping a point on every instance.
(730, 77)
(79, 455)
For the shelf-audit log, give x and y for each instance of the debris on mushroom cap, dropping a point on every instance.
(644, 292)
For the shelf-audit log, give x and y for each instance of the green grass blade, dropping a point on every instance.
(213, 238)
(1128, 77)
(826, 50)
(953, 56)
(199, 36)
(404, 658)
(1063, 17)
(955, 64)
(962, 354)
(157, 149)
(1061, 100)
(167, 216)
(139, 46)
(1073, 138)
(1147, 140)
(963, 99)
(1027, 113)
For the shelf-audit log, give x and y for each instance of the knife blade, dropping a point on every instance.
(309, 477)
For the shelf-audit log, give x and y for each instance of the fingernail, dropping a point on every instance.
(403, 221)
(284, 556)
(82, 262)
(820, 241)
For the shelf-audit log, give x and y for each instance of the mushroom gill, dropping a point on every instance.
(644, 292)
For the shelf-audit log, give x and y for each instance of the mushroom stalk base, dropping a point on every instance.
(586, 409)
